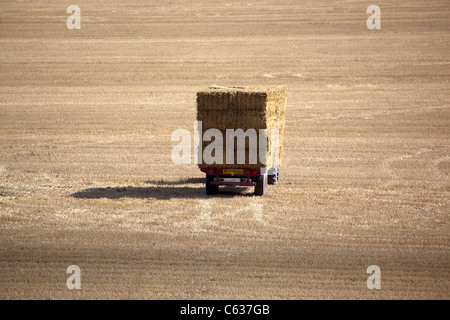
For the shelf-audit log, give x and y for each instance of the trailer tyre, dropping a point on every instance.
(211, 188)
(261, 185)
(273, 178)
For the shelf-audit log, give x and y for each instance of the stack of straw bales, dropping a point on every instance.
(242, 108)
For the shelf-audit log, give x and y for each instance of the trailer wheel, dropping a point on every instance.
(273, 178)
(211, 188)
(261, 185)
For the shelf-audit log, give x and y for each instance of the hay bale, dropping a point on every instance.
(219, 119)
(242, 108)
(213, 100)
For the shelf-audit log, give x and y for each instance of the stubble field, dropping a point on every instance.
(86, 176)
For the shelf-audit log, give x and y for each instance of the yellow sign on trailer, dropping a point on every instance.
(233, 171)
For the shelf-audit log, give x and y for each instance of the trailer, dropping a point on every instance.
(255, 118)
(246, 177)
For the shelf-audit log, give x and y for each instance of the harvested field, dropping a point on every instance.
(86, 176)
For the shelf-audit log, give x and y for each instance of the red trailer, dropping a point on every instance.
(259, 178)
